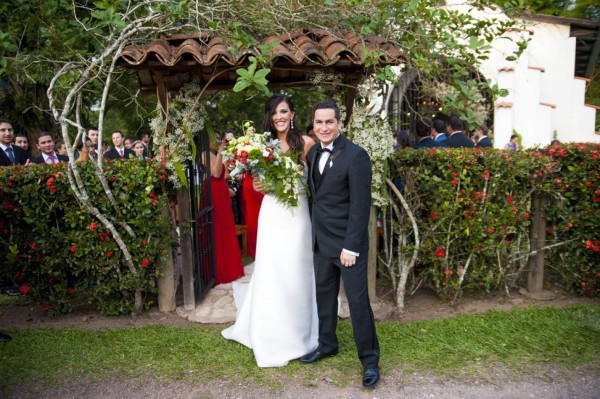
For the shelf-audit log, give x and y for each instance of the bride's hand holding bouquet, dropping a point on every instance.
(273, 171)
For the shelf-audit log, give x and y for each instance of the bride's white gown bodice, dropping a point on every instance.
(278, 317)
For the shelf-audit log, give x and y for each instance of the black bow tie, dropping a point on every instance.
(321, 150)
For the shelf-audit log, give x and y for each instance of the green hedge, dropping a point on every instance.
(473, 209)
(53, 248)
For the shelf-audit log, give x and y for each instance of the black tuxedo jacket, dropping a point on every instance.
(18, 152)
(114, 154)
(427, 142)
(340, 199)
(40, 159)
(485, 142)
(459, 140)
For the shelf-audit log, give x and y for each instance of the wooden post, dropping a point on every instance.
(185, 241)
(166, 280)
(537, 239)
(372, 269)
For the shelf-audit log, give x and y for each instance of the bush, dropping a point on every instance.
(473, 210)
(52, 247)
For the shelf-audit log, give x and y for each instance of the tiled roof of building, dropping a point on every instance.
(181, 58)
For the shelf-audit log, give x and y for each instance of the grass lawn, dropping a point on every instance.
(518, 340)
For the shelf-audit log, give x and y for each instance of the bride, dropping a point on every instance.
(278, 317)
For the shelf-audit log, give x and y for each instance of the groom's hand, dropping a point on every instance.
(347, 259)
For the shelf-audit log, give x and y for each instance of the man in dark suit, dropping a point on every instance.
(45, 144)
(340, 183)
(481, 138)
(456, 136)
(10, 154)
(438, 130)
(145, 137)
(119, 151)
(423, 130)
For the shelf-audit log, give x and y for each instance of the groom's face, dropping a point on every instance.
(326, 126)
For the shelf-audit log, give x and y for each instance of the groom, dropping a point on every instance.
(340, 183)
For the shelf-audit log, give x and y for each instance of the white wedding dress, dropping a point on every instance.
(278, 316)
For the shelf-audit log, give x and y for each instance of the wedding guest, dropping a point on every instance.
(457, 137)
(22, 141)
(278, 316)
(10, 154)
(228, 258)
(423, 130)
(513, 144)
(481, 138)
(438, 130)
(93, 148)
(128, 143)
(310, 132)
(138, 148)
(45, 143)
(145, 137)
(252, 201)
(119, 151)
(61, 148)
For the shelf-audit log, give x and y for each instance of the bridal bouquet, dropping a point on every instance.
(258, 154)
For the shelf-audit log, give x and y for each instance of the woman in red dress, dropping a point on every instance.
(252, 201)
(228, 259)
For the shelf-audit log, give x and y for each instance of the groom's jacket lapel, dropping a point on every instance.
(337, 150)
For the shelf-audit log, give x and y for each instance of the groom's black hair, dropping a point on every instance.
(327, 104)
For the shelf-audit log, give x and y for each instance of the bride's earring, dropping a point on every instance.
(292, 124)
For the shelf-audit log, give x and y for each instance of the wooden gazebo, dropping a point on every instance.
(165, 65)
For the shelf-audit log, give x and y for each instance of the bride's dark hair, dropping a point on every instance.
(294, 136)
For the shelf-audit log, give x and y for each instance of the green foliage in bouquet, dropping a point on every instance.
(260, 155)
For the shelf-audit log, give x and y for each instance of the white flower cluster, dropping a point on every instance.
(373, 134)
(184, 112)
(319, 77)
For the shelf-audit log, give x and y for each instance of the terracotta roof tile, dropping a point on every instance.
(202, 54)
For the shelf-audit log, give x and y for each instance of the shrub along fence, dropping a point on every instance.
(466, 221)
(459, 220)
(52, 248)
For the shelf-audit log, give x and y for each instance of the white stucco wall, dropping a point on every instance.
(544, 96)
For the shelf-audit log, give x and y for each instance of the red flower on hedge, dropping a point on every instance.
(71, 290)
(109, 254)
(25, 289)
(32, 245)
(486, 175)
(45, 307)
(73, 249)
(440, 253)
(526, 215)
(145, 262)
(144, 242)
(454, 182)
(510, 199)
(491, 230)
(93, 226)
(448, 272)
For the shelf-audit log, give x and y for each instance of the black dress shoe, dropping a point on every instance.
(370, 377)
(316, 356)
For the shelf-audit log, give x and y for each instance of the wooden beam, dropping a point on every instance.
(185, 242)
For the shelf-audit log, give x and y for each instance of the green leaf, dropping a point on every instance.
(181, 173)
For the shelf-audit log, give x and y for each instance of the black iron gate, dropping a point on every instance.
(202, 216)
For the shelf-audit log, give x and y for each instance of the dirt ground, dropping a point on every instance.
(546, 382)
(424, 305)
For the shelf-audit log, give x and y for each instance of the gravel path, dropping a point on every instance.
(580, 383)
